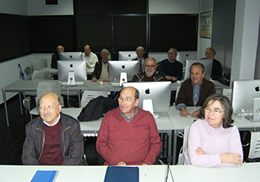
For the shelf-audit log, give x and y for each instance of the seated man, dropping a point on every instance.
(56, 56)
(216, 72)
(140, 58)
(149, 74)
(101, 67)
(194, 90)
(90, 57)
(53, 138)
(128, 135)
(170, 68)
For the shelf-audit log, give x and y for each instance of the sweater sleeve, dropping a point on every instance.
(162, 69)
(102, 143)
(155, 143)
(195, 141)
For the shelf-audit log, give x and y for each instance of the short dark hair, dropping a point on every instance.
(198, 64)
(136, 92)
(225, 103)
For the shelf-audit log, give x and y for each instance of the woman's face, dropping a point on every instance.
(214, 114)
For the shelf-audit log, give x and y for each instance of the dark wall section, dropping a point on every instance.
(95, 31)
(15, 36)
(49, 31)
(178, 31)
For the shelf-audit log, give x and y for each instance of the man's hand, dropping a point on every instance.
(184, 112)
(195, 114)
(172, 78)
(231, 158)
(94, 80)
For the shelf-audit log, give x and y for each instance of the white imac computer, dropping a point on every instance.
(71, 56)
(158, 92)
(117, 67)
(207, 64)
(126, 55)
(245, 98)
(72, 72)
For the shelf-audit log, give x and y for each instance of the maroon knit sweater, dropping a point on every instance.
(51, 154)
(135, 142)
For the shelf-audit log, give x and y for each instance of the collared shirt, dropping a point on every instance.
(196, 96)
(54, 123)
(128, 120)
(104, 71)
(91, 60)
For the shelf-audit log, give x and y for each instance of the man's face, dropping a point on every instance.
(87, 50)
(60, 49)
(150, 67)
(172, 54)
(49, 108)
(127, 102)
(140, 52)
(105, 56)
(210, 54)
(196, 75)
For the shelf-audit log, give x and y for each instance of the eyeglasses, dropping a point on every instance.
(149, 66)
(127, 99)
(214, 111)
(49, 108)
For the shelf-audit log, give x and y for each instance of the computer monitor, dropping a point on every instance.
(78, 67)
(71, 56)
(126, 55)
(207, 64)
(158, 92)
(244, 92)
(116, 67)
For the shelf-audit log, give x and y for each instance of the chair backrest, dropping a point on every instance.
(49, 86)
(39, 64)
(88, 95)
(228, 93)
(254, 151)
(41, 75)
(184, 145)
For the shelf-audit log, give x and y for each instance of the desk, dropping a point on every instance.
(91, 128)
(153, 173)
(179, 123)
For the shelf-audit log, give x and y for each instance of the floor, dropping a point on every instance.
(12, 138)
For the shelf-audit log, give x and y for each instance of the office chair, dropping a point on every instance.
(184, 145)
(254, 151)
(89, 95)
(39, 64)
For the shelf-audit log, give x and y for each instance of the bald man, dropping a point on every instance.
(101, 67)
(90, 57)
(56, 56)
(128, 135)
(53, 138)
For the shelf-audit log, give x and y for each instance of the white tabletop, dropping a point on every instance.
(154, 173)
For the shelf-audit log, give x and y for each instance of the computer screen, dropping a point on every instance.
(244, 92)
(158, 92)
(126, 55)
(77, 66)
(116, 67)
(71, 56)
(207, 64)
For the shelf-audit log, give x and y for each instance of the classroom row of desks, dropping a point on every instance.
(22, 86)
(154, 173)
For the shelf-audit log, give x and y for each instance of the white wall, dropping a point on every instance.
(38, 8)
(174, 6)
(16, 7)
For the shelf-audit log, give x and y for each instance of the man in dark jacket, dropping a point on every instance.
(194, 90)
(53, 138)
(101, 68)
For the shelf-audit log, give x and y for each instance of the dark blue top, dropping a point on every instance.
(167, 68)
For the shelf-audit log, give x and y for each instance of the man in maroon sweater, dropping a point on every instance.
(53, 138)
(128, 135)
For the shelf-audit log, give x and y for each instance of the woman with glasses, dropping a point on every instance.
(213, 139)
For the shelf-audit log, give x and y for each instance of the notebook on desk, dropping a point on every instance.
(45, 176)
(122, 174)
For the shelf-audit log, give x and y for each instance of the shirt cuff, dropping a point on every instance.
(180, 105)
